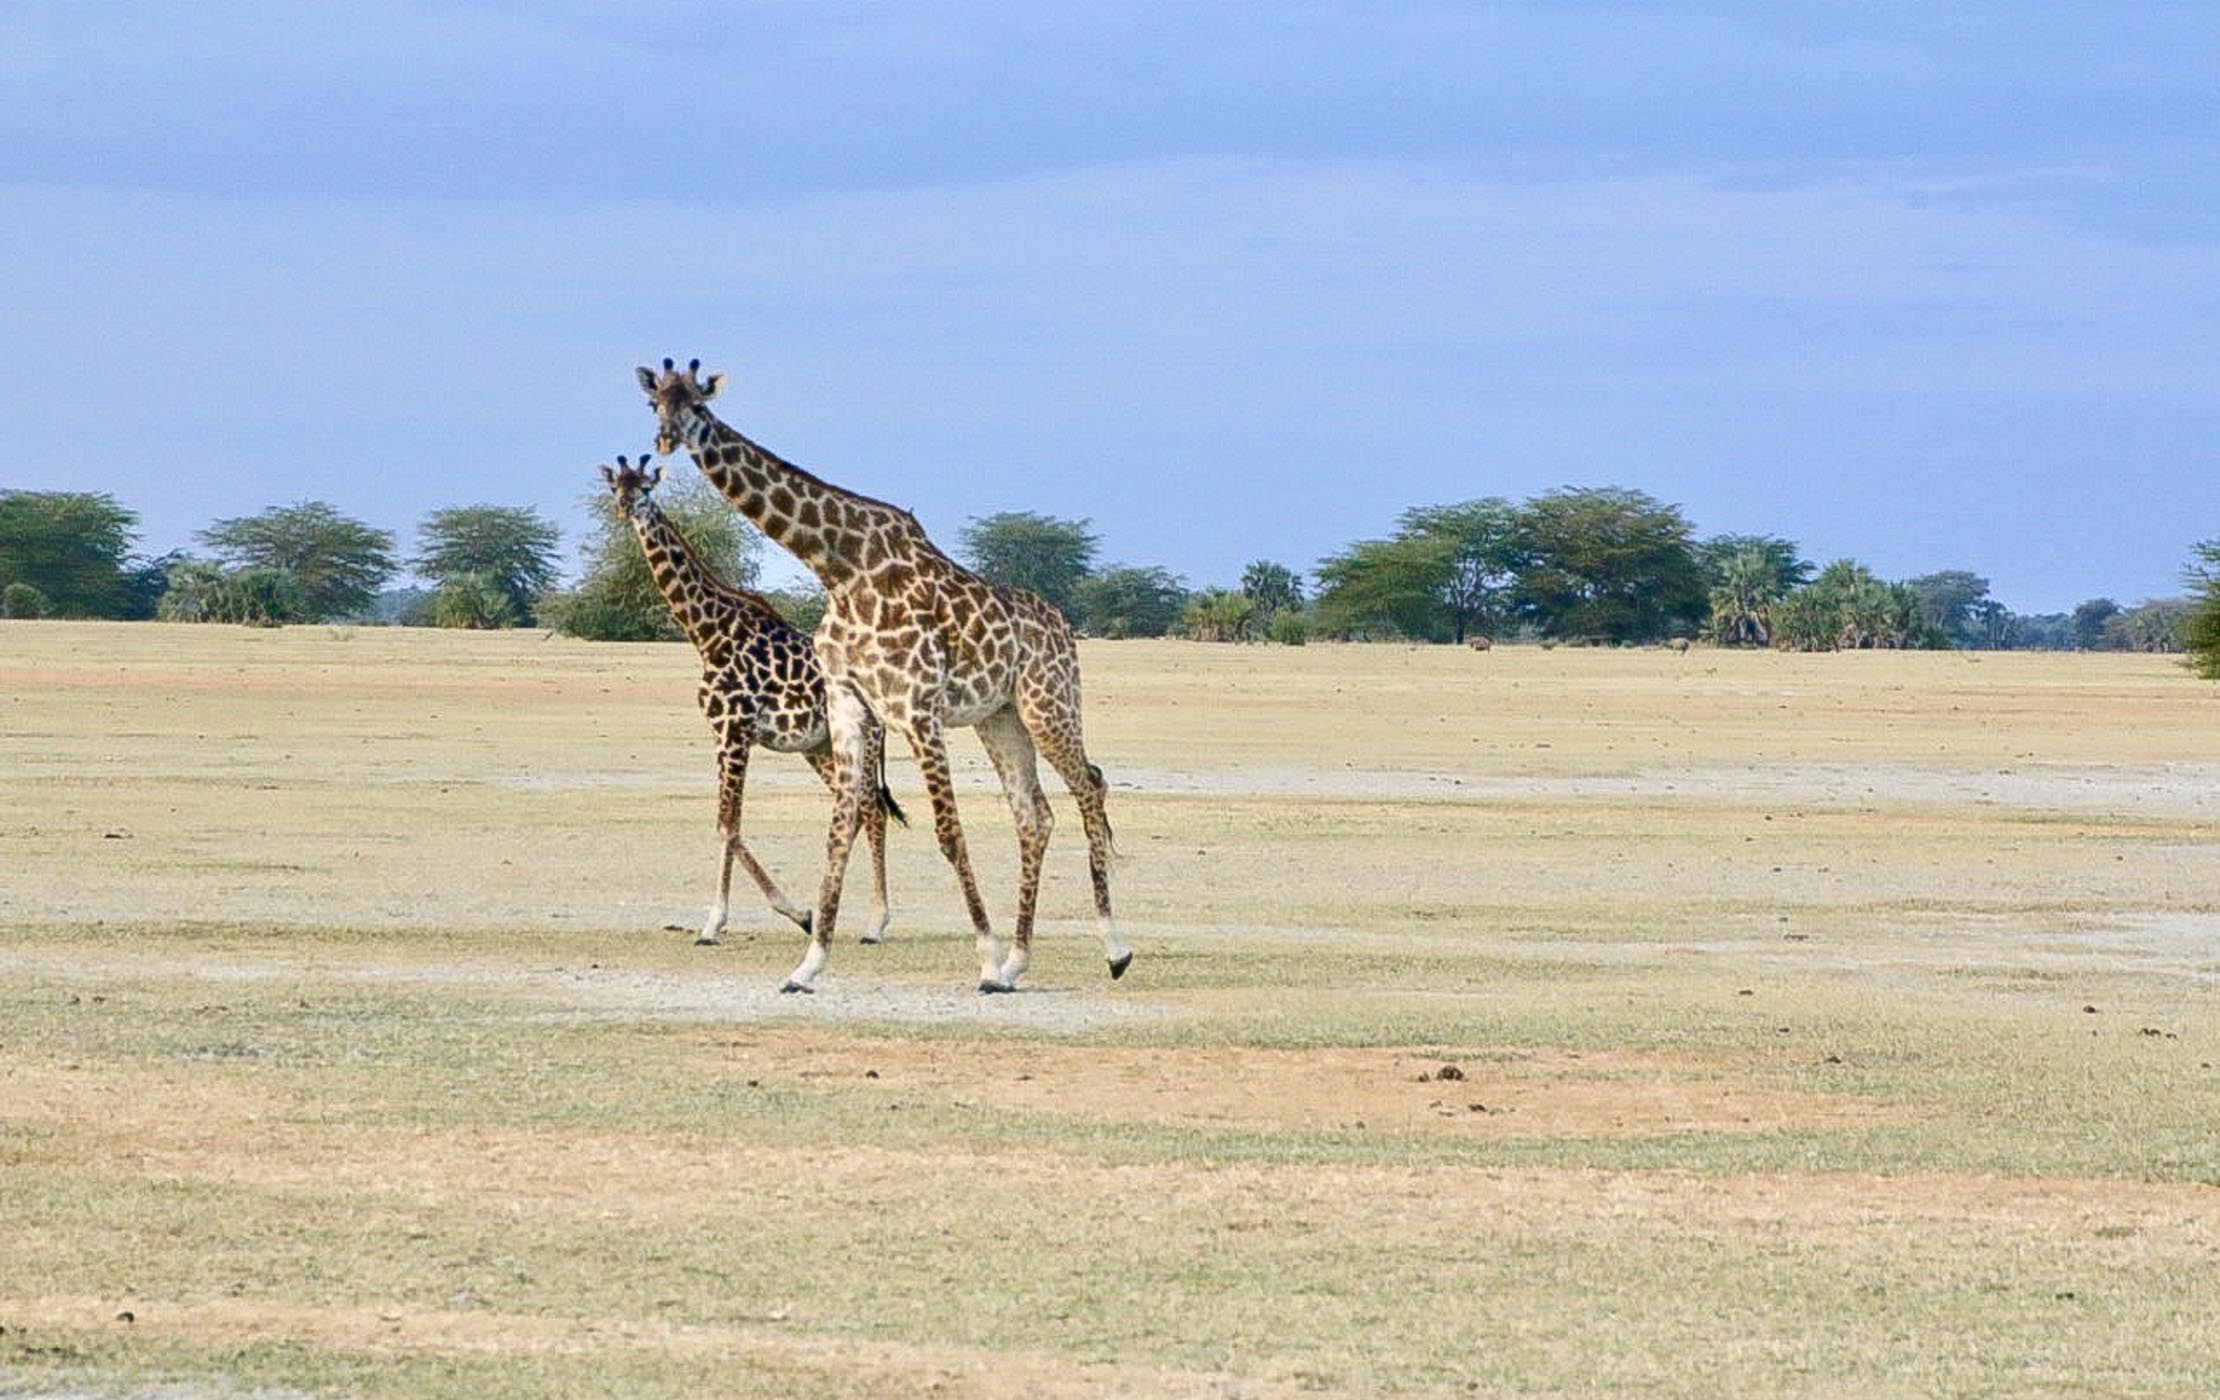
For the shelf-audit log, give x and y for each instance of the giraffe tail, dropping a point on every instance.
(887, 803)
(1102, 785)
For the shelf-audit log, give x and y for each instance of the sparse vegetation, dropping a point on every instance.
(416, 1096)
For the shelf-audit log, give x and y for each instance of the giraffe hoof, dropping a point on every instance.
(705, 941)
(1119, 965)
(872, 940)
(807, 920)
(987, 988)
(789, 988)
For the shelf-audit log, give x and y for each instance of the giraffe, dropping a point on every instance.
(925, 645)
(760, 684)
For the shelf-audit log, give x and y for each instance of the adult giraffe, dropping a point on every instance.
(927, 646)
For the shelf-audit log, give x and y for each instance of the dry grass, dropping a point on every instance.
(1824, 1024)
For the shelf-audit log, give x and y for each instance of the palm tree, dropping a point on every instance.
(1742, 601)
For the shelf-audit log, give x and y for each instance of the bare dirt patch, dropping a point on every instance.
(1542, 1093)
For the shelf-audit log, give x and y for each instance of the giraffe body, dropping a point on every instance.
(761, 686)
(915, 641)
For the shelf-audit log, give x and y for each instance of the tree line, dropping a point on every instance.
(1581, 566)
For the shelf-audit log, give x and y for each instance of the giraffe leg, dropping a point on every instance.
(874, 826)
(847, 718)
(732, 768)
(1060, 744)
(1010, 749)
(932, 764)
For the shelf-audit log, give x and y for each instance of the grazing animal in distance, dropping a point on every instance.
(926, 646)
(760, 684)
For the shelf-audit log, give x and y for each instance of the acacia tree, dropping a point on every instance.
(1028, 550)
(69, 548)
(2201, 632)
(1121, 601)
(2087, 629)
(335, 562)
(616, 600)
(1956, 604)
(1608, 564)
(1447, 572)
(468, 549)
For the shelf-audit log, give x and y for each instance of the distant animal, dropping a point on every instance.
(926, 645)
(1677, 644)
(1479, 643)
(760, 684)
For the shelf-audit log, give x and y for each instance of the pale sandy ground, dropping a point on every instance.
(505, 813)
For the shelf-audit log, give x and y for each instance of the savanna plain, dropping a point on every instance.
(1535, 1021)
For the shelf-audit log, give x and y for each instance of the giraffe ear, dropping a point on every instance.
(713, 385)
(647, 378)
(608, 476)
(654, 477)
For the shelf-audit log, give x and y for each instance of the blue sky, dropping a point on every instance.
(1937, 286)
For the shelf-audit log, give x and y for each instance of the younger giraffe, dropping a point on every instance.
(760, 684)
(913, 639)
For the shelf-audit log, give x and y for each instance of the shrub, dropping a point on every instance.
(474, 601)
(1289, 629)
(22, 600)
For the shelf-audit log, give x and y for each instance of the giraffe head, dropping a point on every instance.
(630, 485)
(678, 396)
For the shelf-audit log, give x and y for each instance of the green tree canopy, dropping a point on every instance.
(1745, 587)
(337, 563)
(201, 590)
(617, 600)
(71, 547)
(1956, 603)
(1274, 587)
(2200, 630)
(1609, 564)
(1025, 549)
(1447, 572)
(1846, 608)
(1121, 601)
(2088, 628)
(1781, 558)
(510, 548)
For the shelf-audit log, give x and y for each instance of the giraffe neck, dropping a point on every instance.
(711, 612)
(837, 534)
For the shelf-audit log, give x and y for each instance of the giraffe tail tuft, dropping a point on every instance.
(887, 803)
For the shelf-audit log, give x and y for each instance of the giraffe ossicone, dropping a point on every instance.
(915, 641)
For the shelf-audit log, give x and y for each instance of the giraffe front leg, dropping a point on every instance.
(734, 742)
(932, 765)
(846, 717)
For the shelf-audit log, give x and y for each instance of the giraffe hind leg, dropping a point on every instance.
(1011, 750)
(1065, 753)
(874, 811)
(846, 718)
(932, 765)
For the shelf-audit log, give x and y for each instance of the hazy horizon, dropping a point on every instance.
(1931, 287)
